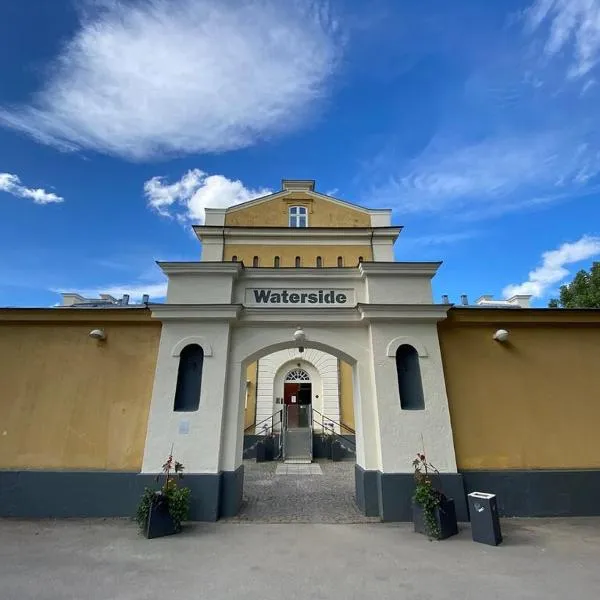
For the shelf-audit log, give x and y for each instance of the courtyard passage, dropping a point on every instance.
(108, 560)
(321, 492)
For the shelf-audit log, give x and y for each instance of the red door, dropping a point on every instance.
(290, 398)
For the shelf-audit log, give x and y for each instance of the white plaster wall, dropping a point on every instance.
(198, 448)
(383, 250)
(395, 289)
(202, 288)
(322, 368)
(406, 432)
(212, 250)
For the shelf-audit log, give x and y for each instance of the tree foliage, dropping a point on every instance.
(582, 292)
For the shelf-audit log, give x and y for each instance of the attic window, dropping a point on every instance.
(298, 216)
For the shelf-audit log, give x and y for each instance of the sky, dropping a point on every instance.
(477, 123)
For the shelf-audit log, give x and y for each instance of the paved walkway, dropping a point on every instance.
(109, 560)
(322, 492)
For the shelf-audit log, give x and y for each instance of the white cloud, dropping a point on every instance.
(159, 77)
(12, 185)
(572, 23)
(496, 175)
(187, 198)
(552, 270)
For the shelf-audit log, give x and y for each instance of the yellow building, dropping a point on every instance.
(298, 319)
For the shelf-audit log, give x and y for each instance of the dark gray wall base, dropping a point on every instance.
(319, 446)
(109, 493)
(232, 488)
(395, 491)
(250, 441)
(367, 493)
(542, 493)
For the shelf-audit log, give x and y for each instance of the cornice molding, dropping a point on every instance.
(428, 269)
(201, 268)
(196, 312)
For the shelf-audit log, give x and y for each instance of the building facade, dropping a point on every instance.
(298, 307)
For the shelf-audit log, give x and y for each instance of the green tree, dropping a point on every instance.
(582, 292)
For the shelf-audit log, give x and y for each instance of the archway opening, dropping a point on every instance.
(297, 398)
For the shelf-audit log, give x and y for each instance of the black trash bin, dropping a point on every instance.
(485, 524)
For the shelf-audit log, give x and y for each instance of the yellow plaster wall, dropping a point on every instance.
(346, 394)
(250, 410)
(531, 403)
(274, 213)
(287, 254)
(70, 402)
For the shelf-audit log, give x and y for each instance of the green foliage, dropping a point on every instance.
(176, 497)
(582, 292)
(426, 495)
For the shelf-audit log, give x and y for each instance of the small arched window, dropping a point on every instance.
(298, 216)
(255, 261)
(189, 379)
(276, 262)
(319, 261)
(234, 258)
(360, 259)
(340, 261)
(298, 261)
(410, 386)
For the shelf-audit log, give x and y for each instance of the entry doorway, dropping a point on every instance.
(297, 397)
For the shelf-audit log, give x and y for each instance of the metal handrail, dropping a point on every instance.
(332, 431)
(349, 429)
(270, 418)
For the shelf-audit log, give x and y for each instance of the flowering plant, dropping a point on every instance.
(426, 495)
(176, 498)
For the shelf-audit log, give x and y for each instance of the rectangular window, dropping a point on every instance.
(298, 216)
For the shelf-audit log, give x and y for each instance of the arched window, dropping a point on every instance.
(340, 261)
(297, 375)
(360, 259)
(319, 261)
(234, 258)
(276, 262)
(255, 261)
(409, 378)
(298, 216)
(298, 261)
(189, 379)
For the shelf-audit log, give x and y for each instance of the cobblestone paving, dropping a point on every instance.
(290, 497)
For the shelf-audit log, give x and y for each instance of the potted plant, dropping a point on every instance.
(161, 512)
(433, 513)
(265, 447)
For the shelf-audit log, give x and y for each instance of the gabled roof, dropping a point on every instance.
(306, 186)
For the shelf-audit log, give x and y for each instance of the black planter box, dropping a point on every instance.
(160, 522)
(337, 451)
(445, 517)
(264, 451)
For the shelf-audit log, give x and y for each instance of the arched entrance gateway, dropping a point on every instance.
(359, 314)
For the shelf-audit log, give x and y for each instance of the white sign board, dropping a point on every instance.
(295, 297)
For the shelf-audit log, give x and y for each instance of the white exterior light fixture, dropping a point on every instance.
(501, 335)
(300, 337)
(97, 334)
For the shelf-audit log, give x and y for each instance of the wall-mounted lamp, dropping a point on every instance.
(248, 383)
(501, 335)
(97, 334)
(300, 338)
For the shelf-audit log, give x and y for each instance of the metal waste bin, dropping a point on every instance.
(485, 524)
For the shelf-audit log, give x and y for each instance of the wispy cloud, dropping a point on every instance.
(147, 79)
(496, 175)
(553, 267)
(439, 239)
(187, 198)
(574, 30)
(11, 184)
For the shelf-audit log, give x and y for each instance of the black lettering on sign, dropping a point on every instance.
(275, 298)
(341, 298)
(313, 298)
(261, 295)
(294, 298)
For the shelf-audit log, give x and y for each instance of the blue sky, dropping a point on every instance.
(476, 122)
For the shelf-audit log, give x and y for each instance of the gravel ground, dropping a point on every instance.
(326, 498)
